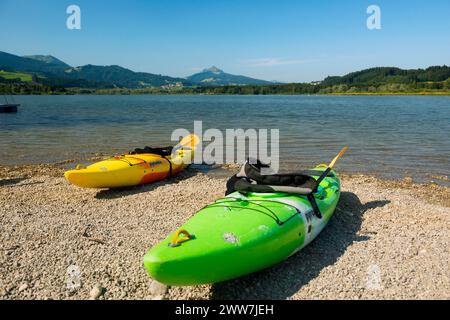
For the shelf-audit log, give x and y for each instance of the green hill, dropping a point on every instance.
(388, 75)
(122, 77)
(54, 72)
(10, 62)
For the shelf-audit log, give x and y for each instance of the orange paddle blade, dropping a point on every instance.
(190, 141)
(340, 154)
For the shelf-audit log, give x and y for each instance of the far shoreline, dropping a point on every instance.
(372, 94)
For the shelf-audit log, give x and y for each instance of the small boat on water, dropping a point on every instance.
(8, 108)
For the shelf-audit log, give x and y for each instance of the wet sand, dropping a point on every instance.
(387, 240)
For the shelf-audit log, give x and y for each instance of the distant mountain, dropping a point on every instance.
(215, 77)
(54, 72)
(48, 60)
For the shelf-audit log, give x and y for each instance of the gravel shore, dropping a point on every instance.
(387, 240)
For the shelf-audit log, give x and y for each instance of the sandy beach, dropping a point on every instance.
(387, 240)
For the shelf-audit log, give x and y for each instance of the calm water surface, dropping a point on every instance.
(391, 136)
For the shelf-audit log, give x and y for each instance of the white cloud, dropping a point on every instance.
(270, 62)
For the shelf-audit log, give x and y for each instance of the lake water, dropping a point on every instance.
(390, 136)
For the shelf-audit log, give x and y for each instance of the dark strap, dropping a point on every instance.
(299, 183)
(253, 172)
(313, 172)
(243, 185)
(161, 151)
(231, 185)
(170, 166)
(314, 205)
(322, 176)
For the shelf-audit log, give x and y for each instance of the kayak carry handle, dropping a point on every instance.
(176, 240)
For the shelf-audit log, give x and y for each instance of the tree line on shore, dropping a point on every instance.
(287, 89)
(369, 81)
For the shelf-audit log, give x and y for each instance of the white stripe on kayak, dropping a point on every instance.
(306, 212)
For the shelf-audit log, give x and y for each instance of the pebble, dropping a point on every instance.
(23, 287)
(408, 180)
(158, 289)
(96, 292)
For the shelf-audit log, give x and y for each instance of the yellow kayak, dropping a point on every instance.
(134, 169)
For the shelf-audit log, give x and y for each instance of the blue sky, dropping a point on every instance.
(273, 40)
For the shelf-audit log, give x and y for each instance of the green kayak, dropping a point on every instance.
(244, 232)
